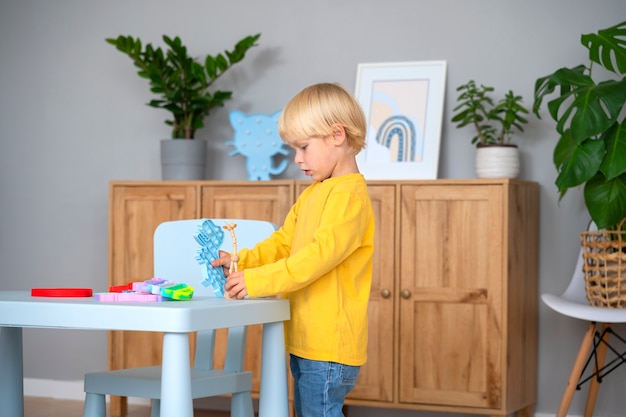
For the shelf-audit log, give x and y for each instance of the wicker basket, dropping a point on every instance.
(604, 253)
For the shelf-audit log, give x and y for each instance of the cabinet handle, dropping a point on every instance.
(406, 294)
(385, 293)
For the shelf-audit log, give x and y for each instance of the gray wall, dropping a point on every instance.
(72, 118)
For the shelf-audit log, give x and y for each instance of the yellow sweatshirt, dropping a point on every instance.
(321, 259)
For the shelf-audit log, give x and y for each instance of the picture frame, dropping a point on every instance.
(403, 106)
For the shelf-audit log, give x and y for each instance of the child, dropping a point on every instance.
(321, 258)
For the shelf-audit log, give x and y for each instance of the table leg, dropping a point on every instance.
(273, 400)
(11, 372)
(176, 399)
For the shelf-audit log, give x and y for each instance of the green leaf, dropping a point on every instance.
(221, 96)
(239, 52)
(562, 150)
(563, 78)
(606, 200)
(571, 83)
(614, 163)
(211, 66)
(136, 47)
(608, 46)
(588, 109)
(580, 162)
(222, 64)
(596, 108)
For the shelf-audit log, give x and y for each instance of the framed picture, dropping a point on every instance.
(403, 105)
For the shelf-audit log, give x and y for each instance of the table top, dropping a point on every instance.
(20, 309)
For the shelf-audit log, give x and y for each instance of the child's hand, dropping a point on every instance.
(236, 286)
(223, 261)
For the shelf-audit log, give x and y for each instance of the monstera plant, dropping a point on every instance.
(590, 116)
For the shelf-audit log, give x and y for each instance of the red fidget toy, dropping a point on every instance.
(61, 292)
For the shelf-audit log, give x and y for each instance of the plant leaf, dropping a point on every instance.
(580, 161)
(586, 108)
(608, 47)
(222, 63)
(562, 150)
(597, 108)
(614, 163)
(606, 200)
(211, 66)
(563, 78)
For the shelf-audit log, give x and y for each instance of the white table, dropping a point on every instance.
(175, 319)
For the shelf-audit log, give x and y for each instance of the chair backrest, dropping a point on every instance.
(575, 291)
(175, 251)
(175, 248)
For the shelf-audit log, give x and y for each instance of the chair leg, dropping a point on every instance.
(241, 405)
(95, 405)
(594, 383)
(576, 370)
(155, 408)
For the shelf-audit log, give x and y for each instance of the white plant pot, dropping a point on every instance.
(497, 161)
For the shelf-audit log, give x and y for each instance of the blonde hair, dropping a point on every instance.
(314, 110)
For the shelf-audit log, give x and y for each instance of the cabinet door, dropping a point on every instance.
(451, 274)
(135, 213)
(263, 200)
(268, 201)
(375, 382)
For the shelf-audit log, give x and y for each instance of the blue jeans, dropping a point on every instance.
(320, 388)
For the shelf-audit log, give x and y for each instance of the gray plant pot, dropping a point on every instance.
(183, 159)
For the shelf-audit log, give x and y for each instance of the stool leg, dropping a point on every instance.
(95, 405)
(594, 384)
(155, 407)
(241, 404)
(574, 377)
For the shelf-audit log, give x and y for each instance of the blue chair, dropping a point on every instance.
(175, 252)
(595, 344)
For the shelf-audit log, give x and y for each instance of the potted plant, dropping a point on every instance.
(494, 124)
(591, 150)
(182, 85)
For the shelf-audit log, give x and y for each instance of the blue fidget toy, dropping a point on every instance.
(210, 238)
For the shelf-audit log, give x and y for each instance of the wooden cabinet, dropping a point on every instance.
(453, 308)
(459, 276)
